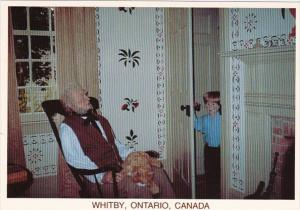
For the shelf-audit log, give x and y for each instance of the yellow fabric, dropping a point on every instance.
(76, 48)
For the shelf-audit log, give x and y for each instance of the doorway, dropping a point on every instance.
(181, 50)
(206, 68)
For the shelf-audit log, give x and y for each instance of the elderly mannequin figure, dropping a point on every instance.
(89, 145)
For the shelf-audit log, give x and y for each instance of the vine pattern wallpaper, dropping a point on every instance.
(237, 150)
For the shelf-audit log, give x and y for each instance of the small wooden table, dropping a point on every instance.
(19, 179)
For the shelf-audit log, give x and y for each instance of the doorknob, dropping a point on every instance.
(187, 109)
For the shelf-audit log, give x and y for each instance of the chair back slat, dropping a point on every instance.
(51, 108)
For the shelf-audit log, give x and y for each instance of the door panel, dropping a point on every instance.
(179, 93)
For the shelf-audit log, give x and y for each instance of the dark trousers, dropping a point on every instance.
(212, 172)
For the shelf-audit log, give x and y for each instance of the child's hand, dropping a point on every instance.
(197, 106)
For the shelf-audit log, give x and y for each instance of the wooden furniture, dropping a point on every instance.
(19, 179)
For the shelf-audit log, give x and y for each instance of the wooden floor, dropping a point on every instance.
(46, 187)
(200, 187)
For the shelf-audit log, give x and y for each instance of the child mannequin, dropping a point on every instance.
(210, 127)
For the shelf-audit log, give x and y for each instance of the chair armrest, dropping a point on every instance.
(113, 168)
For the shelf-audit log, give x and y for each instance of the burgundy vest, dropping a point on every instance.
(93, 144)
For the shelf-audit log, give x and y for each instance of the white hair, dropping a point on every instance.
(66, 95)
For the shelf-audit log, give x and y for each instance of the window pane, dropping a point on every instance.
(53, 62)
(21, 46)
(54, 73)
(39, 19)
(19, 18)
(41, 73)
(40, 47)
(22, 70)
(40, 95)
(52, 19)
(53, 45)
(24, 101)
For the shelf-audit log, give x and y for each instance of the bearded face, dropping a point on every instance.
(79, 101)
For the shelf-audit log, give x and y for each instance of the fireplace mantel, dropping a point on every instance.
(258, 52)
(262, 55)
(269, 60)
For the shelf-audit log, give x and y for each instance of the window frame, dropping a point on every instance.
(33, 116)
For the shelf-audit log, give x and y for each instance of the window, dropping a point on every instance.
(35, 60)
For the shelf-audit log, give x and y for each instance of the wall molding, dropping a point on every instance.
(270, 100)
(257, 52)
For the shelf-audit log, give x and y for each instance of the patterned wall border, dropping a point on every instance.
(97, 17)
(237, 140)
(250, 22)
(161, 86)
(41, 154)
(264, 42)
(237, 162)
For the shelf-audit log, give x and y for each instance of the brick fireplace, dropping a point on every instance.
(283, 142)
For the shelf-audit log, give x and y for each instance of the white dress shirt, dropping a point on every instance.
(75, 156)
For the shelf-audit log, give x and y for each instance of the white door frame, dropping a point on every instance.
(191, 95)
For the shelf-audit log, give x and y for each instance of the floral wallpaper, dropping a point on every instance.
(129, 57)
(126, 9)
(41, 154)
(130, 104)
(130, 44)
